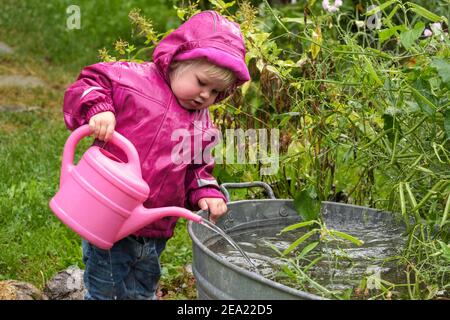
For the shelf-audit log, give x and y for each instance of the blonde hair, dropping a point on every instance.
(226, 76)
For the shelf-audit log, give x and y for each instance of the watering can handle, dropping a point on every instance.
(84, 131)
(232, 185)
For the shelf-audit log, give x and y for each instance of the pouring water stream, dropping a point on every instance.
(216, 229)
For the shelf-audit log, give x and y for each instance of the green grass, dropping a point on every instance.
(40, 30)
(176, 281)
(34, 244)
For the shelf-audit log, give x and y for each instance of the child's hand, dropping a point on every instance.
(102, 125)
(217, 207)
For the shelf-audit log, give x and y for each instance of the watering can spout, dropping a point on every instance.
(142, 216)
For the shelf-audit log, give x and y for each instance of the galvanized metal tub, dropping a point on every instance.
(217, 278)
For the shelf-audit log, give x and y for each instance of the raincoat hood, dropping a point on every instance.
(205, 35)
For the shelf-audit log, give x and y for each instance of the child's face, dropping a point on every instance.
(194, 89)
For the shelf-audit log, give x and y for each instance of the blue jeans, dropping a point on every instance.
(129, 270)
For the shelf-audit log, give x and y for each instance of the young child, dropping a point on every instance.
(198, 64)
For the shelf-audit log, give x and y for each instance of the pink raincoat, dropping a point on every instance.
(148, 113)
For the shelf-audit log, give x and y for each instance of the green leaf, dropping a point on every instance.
(407, 38)
(421, 11)
(180, 13)
(317, 41)
(288, 272)
(298, 225)
(443, 68)
(306, 206)
(346, 236)
(447, 122)
(385, 34)
(311, 3)
(283, 121)
(220, 4)
(445, 249)
(296, 20)
(308, 249)
(423, 99)
(313, 263)
(388, 123)
(223, 174)
(379, 8)
(300, 240)
(372, 73)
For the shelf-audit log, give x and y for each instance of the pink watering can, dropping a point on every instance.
(101, 198)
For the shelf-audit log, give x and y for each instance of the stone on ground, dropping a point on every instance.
(66, 285)
(18, 290)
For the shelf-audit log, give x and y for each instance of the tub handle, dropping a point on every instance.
(236, 185)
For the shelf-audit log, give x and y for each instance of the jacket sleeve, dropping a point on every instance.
(90, 94)
(201, 184)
